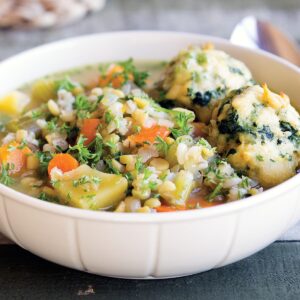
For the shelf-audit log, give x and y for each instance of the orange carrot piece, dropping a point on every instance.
(166, 208)
(114, 76)
(89, 129)
(111, 74)
(15, 156)
(63, 161)
(150, 134)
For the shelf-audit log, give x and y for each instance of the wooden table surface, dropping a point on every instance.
(274, 273)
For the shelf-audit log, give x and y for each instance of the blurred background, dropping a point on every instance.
(58, 19)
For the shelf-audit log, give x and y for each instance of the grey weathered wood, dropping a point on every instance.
(274, 273)
(214, 17)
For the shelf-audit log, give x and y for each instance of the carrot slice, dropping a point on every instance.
(114, 76)
(14, 155)
(89, 129)
(166, 208)
(150, 134)
(63, 161)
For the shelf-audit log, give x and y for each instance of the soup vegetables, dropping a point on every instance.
(112, 147)
(198, 77)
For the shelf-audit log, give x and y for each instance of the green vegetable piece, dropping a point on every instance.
(171, 156)
(19, 123)
(184, 184)
(43, 90)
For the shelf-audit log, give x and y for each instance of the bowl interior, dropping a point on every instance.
(76, 52)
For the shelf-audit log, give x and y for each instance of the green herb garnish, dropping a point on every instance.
(161, 145)
(5, 177)
(65, 84)
(182, 124)
(49, 198)
(139, 77)
(81, 152)
(215, 192)
(259, 157)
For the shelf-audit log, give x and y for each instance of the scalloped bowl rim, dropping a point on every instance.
(224, 209)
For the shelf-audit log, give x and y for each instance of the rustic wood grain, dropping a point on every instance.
(273, 273)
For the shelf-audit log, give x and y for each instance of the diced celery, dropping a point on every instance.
(184, 184)
(171, 155)
(43, 90)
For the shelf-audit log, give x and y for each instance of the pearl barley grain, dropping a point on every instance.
(53, 108)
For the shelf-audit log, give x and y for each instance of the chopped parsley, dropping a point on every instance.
(152, 185)
(81, 152)
(90, 154)
(44, 158)
(97, 145)
(215, 192)
(36, 114)
(139, 77)
(65, 128)
(110, 167)
(161, 145)
(65, 84)
(204, 142)
(128, 176)
(245, 184)
(139, 165)
(52, 125)
(112, 145)
(108, 117)
(201, 58)
(86, 179)
(84, 107)
(136, 129)
(182, 120)
(5, 177)
(49, 198)
(259, 157)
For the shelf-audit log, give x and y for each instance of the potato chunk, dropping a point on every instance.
(88, 188)
(13, 103)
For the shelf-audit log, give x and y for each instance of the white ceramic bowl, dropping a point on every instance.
(146, 245)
